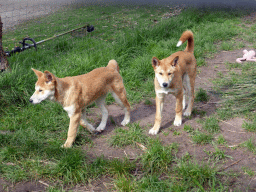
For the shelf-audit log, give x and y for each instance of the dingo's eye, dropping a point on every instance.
(169, 73)
(161, 73)
(40, 90)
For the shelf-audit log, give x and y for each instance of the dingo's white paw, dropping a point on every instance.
(100, 128)
(153, 131)
(177, 122)
(125, 122)
(66, 145)
(90, 128)
(187, 113)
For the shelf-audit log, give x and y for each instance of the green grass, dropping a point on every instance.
(132, 136)
(201, 96)
(238, 92)
(248, 171)
(158, 157)
(200, 137)
(211, 125)
(249, 126)
(218, 154)
(250, 145)
(30, 148)
(221, 140)
(188, 128)
(196, 176)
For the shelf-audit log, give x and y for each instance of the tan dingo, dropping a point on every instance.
(175, 74)
(75, 93)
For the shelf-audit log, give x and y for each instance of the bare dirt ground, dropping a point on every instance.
(145, 115)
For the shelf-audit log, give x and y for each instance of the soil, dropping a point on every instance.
(145, 114)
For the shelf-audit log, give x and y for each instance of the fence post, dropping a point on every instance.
(3, 58)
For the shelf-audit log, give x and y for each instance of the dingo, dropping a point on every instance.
(75, 93)
(175, 74)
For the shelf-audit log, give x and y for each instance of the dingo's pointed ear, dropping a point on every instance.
(155, 62)
(38, 73)
(48, 76)
(175, 61)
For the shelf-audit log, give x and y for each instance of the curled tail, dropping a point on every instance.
(187, 35)
(113, 64)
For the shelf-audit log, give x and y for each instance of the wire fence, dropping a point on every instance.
(14, 12)
(17, 17)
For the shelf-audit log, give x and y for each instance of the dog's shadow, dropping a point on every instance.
(140, 112)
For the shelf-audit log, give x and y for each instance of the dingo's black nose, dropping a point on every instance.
(30, 100)
(165, 84)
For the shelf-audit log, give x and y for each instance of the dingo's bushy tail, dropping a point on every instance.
(113, 64)
(187, 35)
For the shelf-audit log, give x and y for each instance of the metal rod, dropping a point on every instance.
(50, 38)
(27, 46)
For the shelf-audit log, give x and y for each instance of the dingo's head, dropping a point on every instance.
(45, 87)
(164, 70)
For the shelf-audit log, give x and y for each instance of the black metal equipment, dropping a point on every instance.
(89, 28)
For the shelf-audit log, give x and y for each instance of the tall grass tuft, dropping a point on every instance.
(239, 92)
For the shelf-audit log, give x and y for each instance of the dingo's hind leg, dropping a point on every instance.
(190, 91)
(84, 122)
(101, 104)
(120, 97)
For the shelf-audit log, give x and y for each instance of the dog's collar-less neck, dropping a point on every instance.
(58, 86)
(166, 90)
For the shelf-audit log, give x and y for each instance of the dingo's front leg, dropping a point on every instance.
(159, 109)
(178, 116)
(72, 130)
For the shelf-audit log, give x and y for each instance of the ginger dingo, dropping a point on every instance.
(175, 74)
(75, 93)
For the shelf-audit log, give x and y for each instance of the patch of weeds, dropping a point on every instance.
(153, 183)
(148, 102)
(13, 172)
(62, 46)
(220, 74)
(200, 62)
(221, 140)
(176, 132)
(124, 183)
(83, 139)
(158, 157)
(233, 65)
(197, 177)
(119, 167)
(55, 189)
(211, 125)
(71, 167)
(124, 137)
(238, 91)
(218, 154)
(195, 111)
(226, 46)
(112, 120)
(250, 145)
(186, 157)
(199, 137)
(250, 126)
(248, 171)
(201, 95)
(188, 128)
(165, 133)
